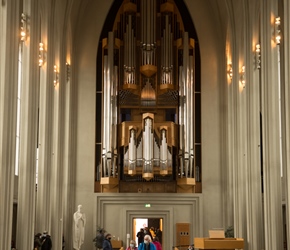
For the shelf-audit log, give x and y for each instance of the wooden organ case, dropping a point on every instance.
(148, 102)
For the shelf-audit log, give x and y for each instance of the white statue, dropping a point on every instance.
(79, 228)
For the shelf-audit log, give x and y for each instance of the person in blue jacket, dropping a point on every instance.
(147, 244)
(107, 242)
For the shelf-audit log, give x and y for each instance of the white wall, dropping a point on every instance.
(87, 39)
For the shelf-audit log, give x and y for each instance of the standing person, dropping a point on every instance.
(99, 239)
(107, 242)
(132, 245)
(159, 235)
(46, 243)
(79, 228)
(152, 232)
(37, 241)
(140, 236)
(157, 243)
(147, 244)
(147, 232)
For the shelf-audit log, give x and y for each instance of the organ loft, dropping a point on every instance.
(150, 117)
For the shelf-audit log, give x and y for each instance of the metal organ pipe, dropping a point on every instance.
(191, 104)
(166, 41)
(114, 93)
(188, 111)
(109, 111)
(148, 20)
(132, 150)
(106, 114)
(181, 121)
(130, 41)
(129, 53)
(167, 47)
(148, 146)
(163, 150)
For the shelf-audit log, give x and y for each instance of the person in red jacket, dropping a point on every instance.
(157, 243)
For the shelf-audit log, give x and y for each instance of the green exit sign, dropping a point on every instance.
(147, 205)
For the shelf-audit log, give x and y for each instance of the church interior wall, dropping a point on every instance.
(87, 39)
(115, 213)
(210, 35)
(203, 211)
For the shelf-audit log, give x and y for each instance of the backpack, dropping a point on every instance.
(99, 240)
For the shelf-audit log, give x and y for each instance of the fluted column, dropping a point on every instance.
(286, 120)
(43, 211)
(270, 129)
(9, 42)
(253, 185)
(28, 131)
(59, 147)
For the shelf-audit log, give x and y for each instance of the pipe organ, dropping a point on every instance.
(148, 132)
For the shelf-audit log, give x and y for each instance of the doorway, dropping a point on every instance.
(155, 225)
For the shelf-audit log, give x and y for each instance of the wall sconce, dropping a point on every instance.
(41, 54)
(67, 71)
(55, 80)
(278, 30)
(230, 71)
(242, 77)
(23, 27)
(258, 56)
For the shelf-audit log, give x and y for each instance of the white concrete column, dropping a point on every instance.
(229, 136)
(69, 162)
(253, 185)
(239, 123)
(28, 130)
(270, 128)
(286, 120)
(9, 47)
(58, 133)
(46, 92)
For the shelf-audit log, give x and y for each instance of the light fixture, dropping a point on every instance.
(67, 71)
(23, 27)
(230, 71)
(41, 54)
(242, 77)
(258, 56)
(278, 30)
(55, 80)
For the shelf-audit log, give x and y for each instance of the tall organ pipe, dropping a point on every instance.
(191, 72)
(114, 93)
(187, 90)
(132, 150)
(148, 36)
(106, 114)
(181, 121)
(188, 110)
(167, 47)
(163, 150)
(148, 146)
(108, 110)
(129, 53)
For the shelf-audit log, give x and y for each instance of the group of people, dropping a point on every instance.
(153, 232)
(146, 244)
(42, 241)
